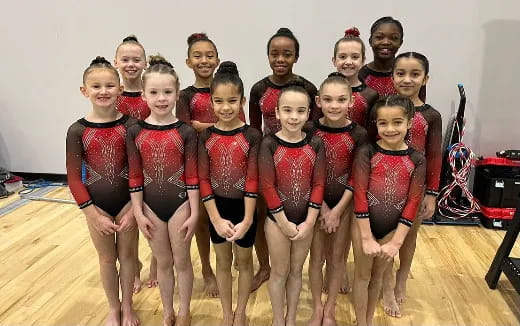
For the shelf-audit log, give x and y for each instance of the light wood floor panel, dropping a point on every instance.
(49, 276)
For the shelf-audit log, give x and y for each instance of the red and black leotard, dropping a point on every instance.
(132, 104)
(425, 135)
(263, 101)
(364, 99)
(195, 104)
(340, 145)
(388, 187)
(102, 147)
(163, 164)
(292, 176)
(381, 82)
(228, 162)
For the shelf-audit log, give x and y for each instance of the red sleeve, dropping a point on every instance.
(434, 154)
(318, 175)
(182, 109)
(251, 186)
(74, 161)
(361, 174)
(206, 191)
(268, 175)
(135, 164)
(190, 158)
(415, 190)
(255, 113)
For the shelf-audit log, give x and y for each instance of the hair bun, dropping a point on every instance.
(100, 60)
(197, 37)
(284, 31)
(296, 82)
(158, 60)
(228, 67)
(130, 38)
(336, 74)
(353, 31)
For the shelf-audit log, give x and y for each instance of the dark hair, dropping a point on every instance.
(386, 20)
(336, 78)
(99, 63)
(227, 73)
(418, 56)
(285, 32)
(158, 64)
(351, 35)
(199, 37)
(296, 89)
(131, 39)
(394, 100)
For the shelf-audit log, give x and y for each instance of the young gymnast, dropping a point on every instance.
(130, 61)
(388, 185)
(98, 141)
(283, 51)
(162, 156)
(349, 57)
(228, 172)
(331, 239)
(292, 177)
(386, 37)
(410, 75)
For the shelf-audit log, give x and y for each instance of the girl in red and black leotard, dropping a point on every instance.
(331, 239)
(131, 61)
(283, 51)
(388, 187)
(228, 172)
(98, 141)
(162, 156)
(292, 178)
(425, 135)
(349, 56)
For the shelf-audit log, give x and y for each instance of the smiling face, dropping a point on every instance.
(408, 77)
(392, 126)
(130, 61)
(203, 59)
(227, 103)
(102, 87)
(349, 58)
(292, 110)
(160, 93)
(334, 101)
(282, 55)
(385, 41)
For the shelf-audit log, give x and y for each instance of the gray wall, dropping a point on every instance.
(46, 45)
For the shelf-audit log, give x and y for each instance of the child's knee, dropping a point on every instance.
(164, 262)
(244, 263)
(107, 259)
(224, 263)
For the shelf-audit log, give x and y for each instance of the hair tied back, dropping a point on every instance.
(353, 31)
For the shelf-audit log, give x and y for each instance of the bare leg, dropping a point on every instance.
(152, 277)
(280, 252)
(244, 259)
(315, 274)
(224, 254)
(299, 252)
(262, 252)
(138, 267)
(202, 237)
(362, 275)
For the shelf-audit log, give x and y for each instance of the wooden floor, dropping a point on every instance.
(49, 276)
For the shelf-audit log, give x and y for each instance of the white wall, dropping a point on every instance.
(46, 45)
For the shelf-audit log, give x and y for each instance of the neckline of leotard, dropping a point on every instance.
(199, 90)
(150, 126)
(284, 143)
(378, 73)
(297, 81)
(109, 124)
(402, 152)
(131, 94)
(333, 130)
(229, 132)
(359, 88)
(422, 108)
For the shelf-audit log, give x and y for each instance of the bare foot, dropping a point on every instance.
(129, 317)
(390, 304)
(183, 321)
(329, 320)
(152, 277)
(240, 319)
(169, 321)
(210, 286)
(400, 291)
(290, 322)
(227, 320)
(114, 317)
(261, 276)
(345, 285)
(137, 279)
(317, 317)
